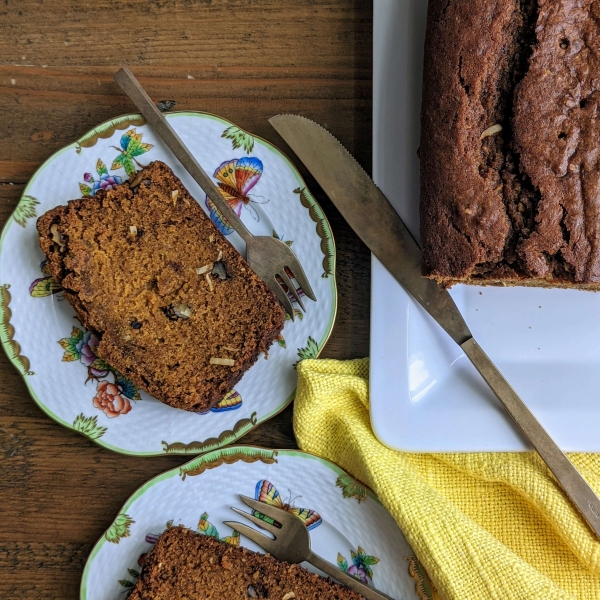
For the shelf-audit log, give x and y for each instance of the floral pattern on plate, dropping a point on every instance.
(361, 566)
(72, 384)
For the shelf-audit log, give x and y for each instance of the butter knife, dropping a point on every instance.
(375, 221)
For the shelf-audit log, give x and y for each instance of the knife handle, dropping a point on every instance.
(131, 86)
(574, 485)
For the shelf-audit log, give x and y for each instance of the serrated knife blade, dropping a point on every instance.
(369, 213)
(375, 221)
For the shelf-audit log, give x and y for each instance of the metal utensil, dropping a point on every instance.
(376, 222)
(292, 543)
(269, 257)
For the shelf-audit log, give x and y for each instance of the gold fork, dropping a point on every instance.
(291, 543)
(268, 257)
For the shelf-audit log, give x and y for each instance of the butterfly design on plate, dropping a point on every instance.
(231, 401)
(207, 528)
(266, 492)
(235, 178)
(44, 286)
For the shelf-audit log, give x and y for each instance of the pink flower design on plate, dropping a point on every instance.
(110, 401)
(106, 182)
(358, 573)
(87, 348)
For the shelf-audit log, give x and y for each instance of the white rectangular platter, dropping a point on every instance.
(425, 395)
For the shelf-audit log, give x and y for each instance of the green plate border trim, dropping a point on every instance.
(242, 427)
(106, 129)
(251, 454)
(137, 119)
(228, 456)
(7, 334)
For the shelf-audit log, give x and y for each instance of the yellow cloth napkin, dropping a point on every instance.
(484, 525)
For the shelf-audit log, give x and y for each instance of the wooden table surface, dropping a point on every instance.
(245, 60)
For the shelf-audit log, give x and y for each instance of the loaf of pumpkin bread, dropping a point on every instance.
(510, 185)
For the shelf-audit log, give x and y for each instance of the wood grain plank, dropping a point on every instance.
(46, 110)
(45, 571)
(186, 32)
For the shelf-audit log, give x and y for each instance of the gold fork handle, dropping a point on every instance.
(349, 581)
(574, 485)
(131, 86)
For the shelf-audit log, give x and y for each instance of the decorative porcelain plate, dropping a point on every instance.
(348, 526)
(57, 356)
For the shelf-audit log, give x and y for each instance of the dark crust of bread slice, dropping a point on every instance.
(184, 564)
(128, 260)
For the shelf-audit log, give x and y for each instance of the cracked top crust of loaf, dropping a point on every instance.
(128, 261)
(520, 205)
(185, 564)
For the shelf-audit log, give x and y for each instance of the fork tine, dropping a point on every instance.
(278, 514)
(300, 276)
(266, 543)
(256, 520)
(292, 288)
(281, 296)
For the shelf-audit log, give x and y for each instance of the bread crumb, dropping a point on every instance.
(137, 179)
(183, 311)
(226, 362)
(205, 269)
(57, 236)
(494, 129)
(226, 562)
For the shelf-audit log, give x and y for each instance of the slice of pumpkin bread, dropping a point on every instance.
(176, 308)
(184, 564)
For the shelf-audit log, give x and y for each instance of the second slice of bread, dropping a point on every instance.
(184, 564)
